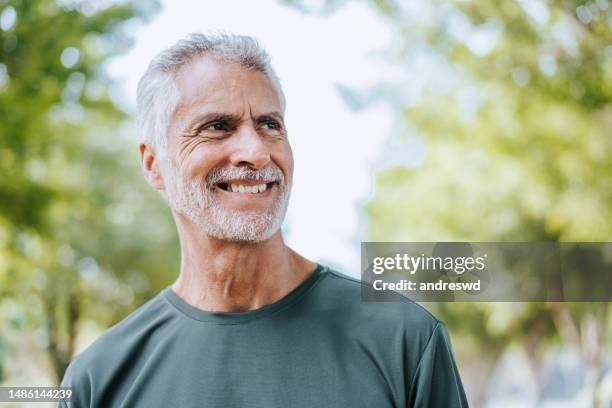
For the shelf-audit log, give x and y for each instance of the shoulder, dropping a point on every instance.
(115, 345)
(396, 332)
(394, 312)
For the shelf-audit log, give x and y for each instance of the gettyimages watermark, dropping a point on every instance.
(487, 271)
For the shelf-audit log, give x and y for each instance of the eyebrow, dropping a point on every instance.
(270, 115)
(211, 117)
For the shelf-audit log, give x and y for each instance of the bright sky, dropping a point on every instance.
(334, 147)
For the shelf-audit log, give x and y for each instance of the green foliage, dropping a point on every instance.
(531, 158)
(82, 237)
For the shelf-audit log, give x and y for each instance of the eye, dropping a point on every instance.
(271, 128)
(216, 126)
(270, 124)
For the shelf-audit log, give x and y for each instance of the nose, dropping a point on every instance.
(249, 149)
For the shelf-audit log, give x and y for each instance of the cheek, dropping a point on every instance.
(198, 161)
(284, 159)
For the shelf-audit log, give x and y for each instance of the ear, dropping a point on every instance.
(150, 162)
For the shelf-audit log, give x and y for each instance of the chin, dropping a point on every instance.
(246, 235)
(240, 227)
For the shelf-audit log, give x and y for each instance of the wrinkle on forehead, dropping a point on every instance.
(208, 84)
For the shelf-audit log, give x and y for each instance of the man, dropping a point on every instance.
(249, 322)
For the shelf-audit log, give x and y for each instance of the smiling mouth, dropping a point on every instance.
(234, 187)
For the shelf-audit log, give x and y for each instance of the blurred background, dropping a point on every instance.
(486, 120)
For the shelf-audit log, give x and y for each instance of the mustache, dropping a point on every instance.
(270, 173)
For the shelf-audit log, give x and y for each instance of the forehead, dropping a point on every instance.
(207, 84)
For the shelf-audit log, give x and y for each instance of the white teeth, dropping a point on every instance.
(241, 188)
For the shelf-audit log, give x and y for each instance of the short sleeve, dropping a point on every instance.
(80, 382)
(436, 382)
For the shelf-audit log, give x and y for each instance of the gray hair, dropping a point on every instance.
(157, 94)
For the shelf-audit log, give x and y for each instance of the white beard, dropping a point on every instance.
(197, 202)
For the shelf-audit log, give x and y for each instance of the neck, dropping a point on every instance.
(223, 276)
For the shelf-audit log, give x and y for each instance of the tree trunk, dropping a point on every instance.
(534, 345)
(481, 370)
(588, 335)
(61, 336)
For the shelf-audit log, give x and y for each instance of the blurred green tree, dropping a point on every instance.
(77, 223)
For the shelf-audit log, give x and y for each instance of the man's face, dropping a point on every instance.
(228, 166)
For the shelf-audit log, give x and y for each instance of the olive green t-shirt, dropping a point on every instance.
(319, 346)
